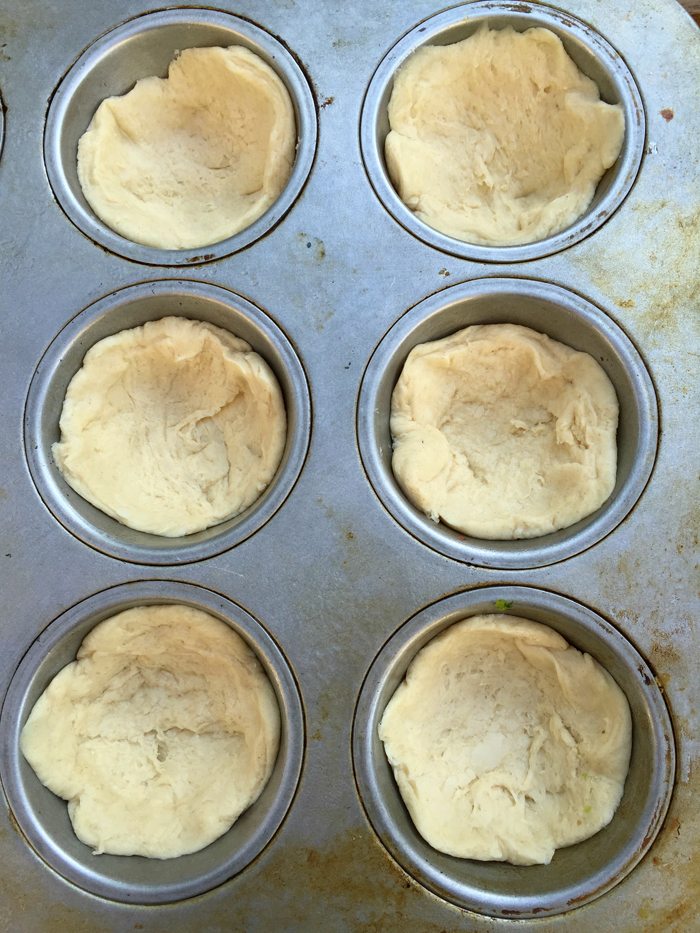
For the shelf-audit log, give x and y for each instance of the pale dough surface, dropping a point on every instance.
(503, 433)
(506, 742)
(171, 427)
(499, 139)
(161, 733)
(189, 160)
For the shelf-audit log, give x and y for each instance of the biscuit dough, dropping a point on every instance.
(504, 433)
(161, 733)
(499, 139)
(506, 742)
(188, 160)
(171, 427)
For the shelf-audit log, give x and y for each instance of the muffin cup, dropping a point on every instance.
(142, 47)
(593, 55)
(565, 317)
(129, 308)
(43, 817)
(578, 873)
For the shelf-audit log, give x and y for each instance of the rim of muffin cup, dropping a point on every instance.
(142, 47)
(593, 55)
(43, 817)
(127, 308)
(578, 873)
(2, 124)
(561, 315)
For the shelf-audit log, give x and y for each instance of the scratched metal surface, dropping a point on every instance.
(332, 575)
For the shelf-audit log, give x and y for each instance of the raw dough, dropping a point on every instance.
(188, 160)
(161, 733)
(504, 433)
(499, 139)
(171, 427)
(506, 742)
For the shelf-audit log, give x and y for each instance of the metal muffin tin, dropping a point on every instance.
(593, 55)
(138, 49)
(332, 290)
(565, 317)
(43, 817)
(131, 307)
(577, 873)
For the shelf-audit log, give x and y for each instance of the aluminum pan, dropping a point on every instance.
(577, 874)
(43, 818)
(332, 575)
(593, 55)
(140, 48)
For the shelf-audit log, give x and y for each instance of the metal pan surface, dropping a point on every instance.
(332, 286)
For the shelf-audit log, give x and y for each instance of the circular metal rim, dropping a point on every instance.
(481, 552)
(14, 713)
(537, 14)
(415, 858)
(270, 49)
(55, 492)
(2, 124)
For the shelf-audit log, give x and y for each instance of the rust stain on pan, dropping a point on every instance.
(675, 846)
(667, 114)
(352, 874)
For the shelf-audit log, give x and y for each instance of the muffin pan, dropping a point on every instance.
(565, 317)
(43, 817)
(140, 48)
(131, 307)
(593, 55)
(576, 873)
(331, 576)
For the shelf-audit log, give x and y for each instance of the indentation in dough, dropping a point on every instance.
(159, 735)
(503, 433)
(480, 736)
(171, 427)
(499, 139)
(189, 160)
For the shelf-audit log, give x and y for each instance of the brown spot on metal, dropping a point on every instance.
(326, 102)
(205, 257)
(667, 114)
(625, 303)
(352, 872)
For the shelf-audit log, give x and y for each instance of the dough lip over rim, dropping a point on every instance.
(183, 468)
(502, 433)
(186, 190)
(505, 204)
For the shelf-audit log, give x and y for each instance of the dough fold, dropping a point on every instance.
(159, 735)
(503, 433)
(171, 427)
(506, 742)
(189, 160)
(499, 139)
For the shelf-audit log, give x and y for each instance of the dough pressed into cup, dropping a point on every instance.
(191, 159)
(171, 427)
(503, 433)
(506, 742)
(499, 139)
(159, 735)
